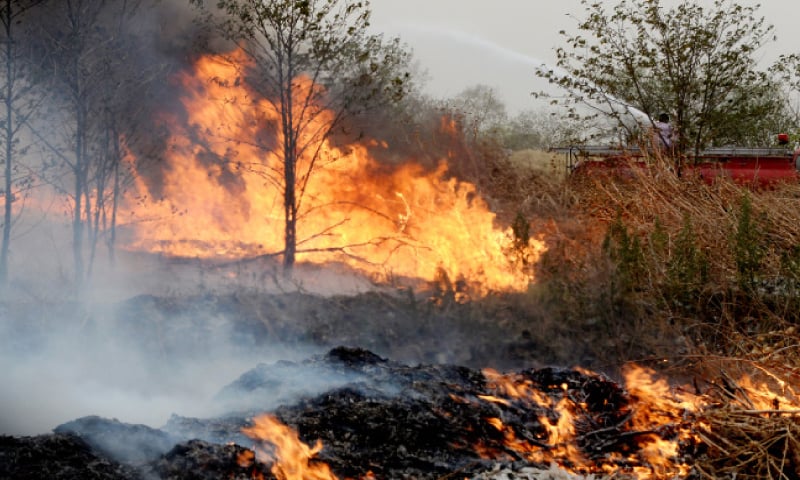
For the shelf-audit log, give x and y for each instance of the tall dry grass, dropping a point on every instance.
(667, 266)
(700, 281)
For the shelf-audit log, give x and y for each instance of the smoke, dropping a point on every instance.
(119, 361)
(70, 356)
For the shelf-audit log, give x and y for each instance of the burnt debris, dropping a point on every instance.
(374, 415)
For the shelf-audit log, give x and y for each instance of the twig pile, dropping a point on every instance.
(749, 434)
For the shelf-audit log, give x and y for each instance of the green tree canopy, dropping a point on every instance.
(698, 64)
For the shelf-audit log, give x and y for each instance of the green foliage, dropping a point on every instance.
(659, 239)
(326, 40)
(479, 110)
(790, 267)
(540, 129)
(625, 251)
(697, 63)
(687, 269)
(748, 248)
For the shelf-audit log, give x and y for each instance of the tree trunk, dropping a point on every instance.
(9, 141)
(290, 215)
(80, 184)
(289, 166)
(112, 228)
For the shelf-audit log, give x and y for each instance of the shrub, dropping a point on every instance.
(747, 246)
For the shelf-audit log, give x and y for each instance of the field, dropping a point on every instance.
(699, 284)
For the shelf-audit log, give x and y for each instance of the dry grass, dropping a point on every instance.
(540, 161)
(751, 426)
(581, 289)
(657, 193)
(726, 336)
(656, 196)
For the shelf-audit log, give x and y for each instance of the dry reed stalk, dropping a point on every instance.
(748, 443)
(655, 192)
(749, 427)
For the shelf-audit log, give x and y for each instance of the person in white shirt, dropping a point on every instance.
(663, 133)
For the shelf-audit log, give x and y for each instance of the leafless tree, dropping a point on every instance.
(88, 45)
(326, 41)
(19, 106)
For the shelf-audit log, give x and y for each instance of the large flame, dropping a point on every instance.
(219, 197)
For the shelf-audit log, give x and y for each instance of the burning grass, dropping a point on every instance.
(701, 281)
(580, 423)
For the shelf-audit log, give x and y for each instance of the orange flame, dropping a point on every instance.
(655, 407)
(219, 196)
(292, 458)
(659, 418)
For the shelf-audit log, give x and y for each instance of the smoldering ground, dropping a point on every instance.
(161, 337)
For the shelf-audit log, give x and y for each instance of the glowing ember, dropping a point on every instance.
(579, 424)
(217, 197)
(654, 419)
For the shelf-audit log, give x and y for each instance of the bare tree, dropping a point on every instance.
(480, 109)
(19, 106)
(72, 46)
(88, 45)
(129, 71)
(325, 41)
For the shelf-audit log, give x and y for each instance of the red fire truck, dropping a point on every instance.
(759, 167)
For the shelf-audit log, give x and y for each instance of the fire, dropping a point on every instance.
(218, 198)
(583, 424)
(293, 459)
(560, 431)
(655, 413)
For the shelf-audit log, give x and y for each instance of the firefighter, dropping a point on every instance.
(663, 133)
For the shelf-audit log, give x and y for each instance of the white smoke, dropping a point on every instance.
(74, 362)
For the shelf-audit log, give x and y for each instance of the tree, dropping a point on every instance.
(787, 69)
(480, 110)
(122, 118)
(71, 43)
(540, 129)
(697, 64)
(315, 62)
(87, 47)
(19, 106)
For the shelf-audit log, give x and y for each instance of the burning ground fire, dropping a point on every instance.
(582, 428)
(218, 197)
(216, 200)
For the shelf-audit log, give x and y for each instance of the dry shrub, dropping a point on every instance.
(739, 323)
(665, 265)
(704, 280)
(657, 193)
(750, 428)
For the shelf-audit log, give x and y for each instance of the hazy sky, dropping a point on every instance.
(461, 43)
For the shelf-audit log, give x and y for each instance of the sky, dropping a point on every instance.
(499, 43)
